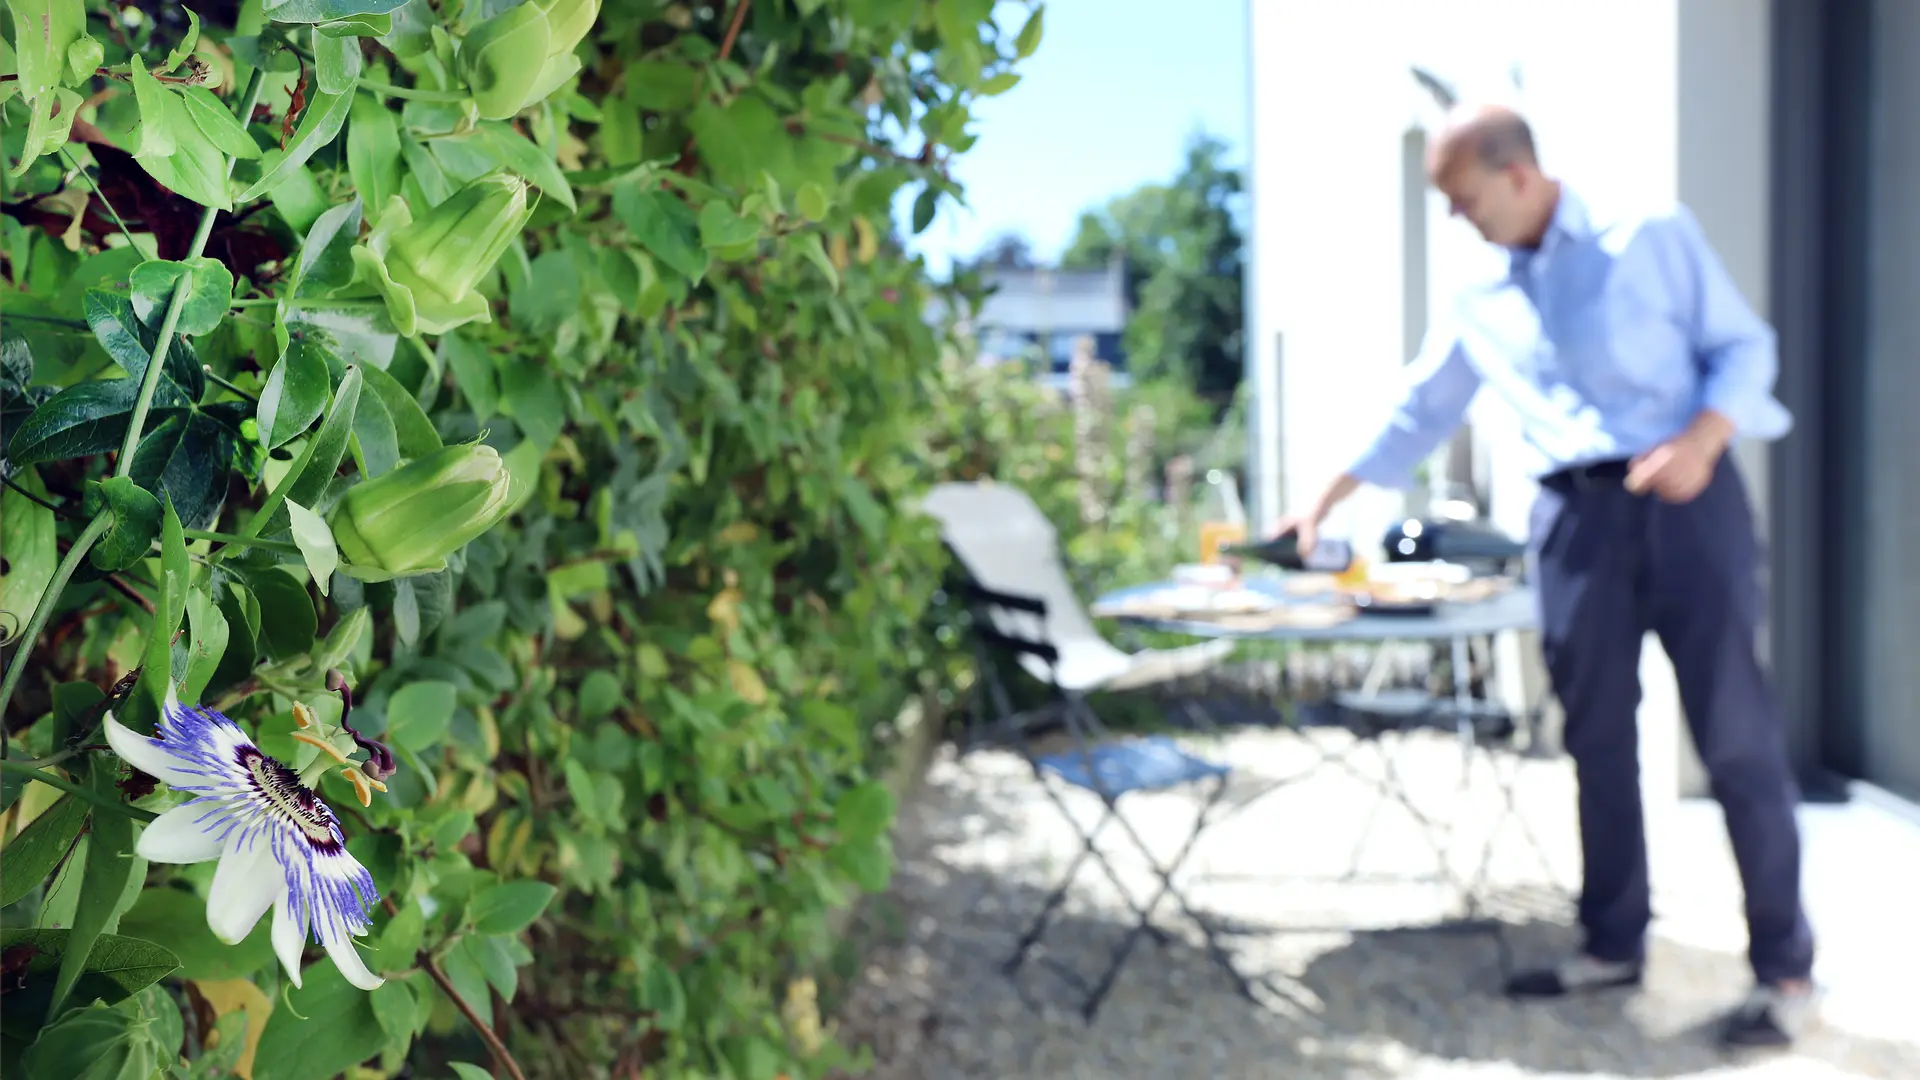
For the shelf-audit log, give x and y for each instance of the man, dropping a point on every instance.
(1632, 361)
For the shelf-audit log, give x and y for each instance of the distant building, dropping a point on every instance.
(1035, 313)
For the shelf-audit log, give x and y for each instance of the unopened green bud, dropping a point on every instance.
(427, 268)
(408, 521)
(568, 22)
(501, 59)
(454, 245)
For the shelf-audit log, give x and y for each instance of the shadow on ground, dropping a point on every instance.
(932, 1002)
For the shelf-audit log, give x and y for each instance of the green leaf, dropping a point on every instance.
(720, 227)
(131, 343)
(464, 1071)
(95, 1044)
(315, 540)
(511, 906)
(320, 458)
(90, 418)
(194, 166)
(28, 538)
(864, 811)
(414, 433)
(419, 714)
(287, 621)
(325, 11)
(206, 646)
(156, 117)
(184, 49)
(662, 993)
(923, 207)
(318, 127)
(813, 252)
(376, 442)
(336, 63)
(663, 225)
(116, 968)
(295, 394)
(507, 147)
(32, 855)
(188, 457)
(108, 864)
(999, 84)
(325, 263)
(372, 26)
(170, 606)
(1029, 39)
(136, 522)
(811, 200)
(868, 862)
(373, 151)
(533, 399)
(400, 940)
(326, 1027)
(179, 918)
(209, 293)
(217, 122)
(473, 373)
(662, 87)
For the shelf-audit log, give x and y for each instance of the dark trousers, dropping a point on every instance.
(1610, 566)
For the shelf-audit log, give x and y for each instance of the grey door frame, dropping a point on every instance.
(1821, 96)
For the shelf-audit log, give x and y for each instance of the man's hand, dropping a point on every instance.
(1679, 469)
(1304, 526)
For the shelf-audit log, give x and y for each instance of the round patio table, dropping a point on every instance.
(1512, 609)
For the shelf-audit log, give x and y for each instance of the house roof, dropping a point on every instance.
(1043, 300)
(1040, 300)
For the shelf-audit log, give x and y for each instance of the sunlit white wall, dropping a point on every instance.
(1632, 101)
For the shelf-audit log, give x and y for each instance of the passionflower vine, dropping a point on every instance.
(278, 843)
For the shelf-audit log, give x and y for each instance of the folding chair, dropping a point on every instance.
(1022, 605)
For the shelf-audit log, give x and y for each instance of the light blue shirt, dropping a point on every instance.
(1606, 341)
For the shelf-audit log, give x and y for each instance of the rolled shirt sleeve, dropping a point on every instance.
(1438, 386)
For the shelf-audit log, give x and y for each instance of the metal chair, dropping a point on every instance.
(1022, 607)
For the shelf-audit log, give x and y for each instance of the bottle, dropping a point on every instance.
(1225, 520)
(1329, 556)
(1416, 540)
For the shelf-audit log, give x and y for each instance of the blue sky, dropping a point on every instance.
(1105, 105)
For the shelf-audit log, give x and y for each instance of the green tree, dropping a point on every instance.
(1183, 252)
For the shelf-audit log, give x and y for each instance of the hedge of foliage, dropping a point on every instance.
(456, 526)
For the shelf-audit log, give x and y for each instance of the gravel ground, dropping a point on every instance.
(1347, 990)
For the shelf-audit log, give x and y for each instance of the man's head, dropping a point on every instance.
(1484, 162)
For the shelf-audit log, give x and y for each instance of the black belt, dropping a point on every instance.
(1591, 475)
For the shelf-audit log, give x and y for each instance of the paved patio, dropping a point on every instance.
(979, 843)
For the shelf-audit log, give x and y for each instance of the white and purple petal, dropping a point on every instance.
(279, 845)
(178, 836)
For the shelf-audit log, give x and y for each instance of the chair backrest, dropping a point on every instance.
(1007, 545)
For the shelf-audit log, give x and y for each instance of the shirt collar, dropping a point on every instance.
(1570, 222)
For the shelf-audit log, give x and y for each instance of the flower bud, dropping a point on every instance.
(501, 59)
(568, 22)
(408, 521)
(427, 269)
(449, 250)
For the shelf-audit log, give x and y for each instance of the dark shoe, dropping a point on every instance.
(1580, 974)
(1770, 1017)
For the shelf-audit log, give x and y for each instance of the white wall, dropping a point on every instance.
(1631, 100)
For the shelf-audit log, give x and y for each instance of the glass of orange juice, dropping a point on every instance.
(1214, 534)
